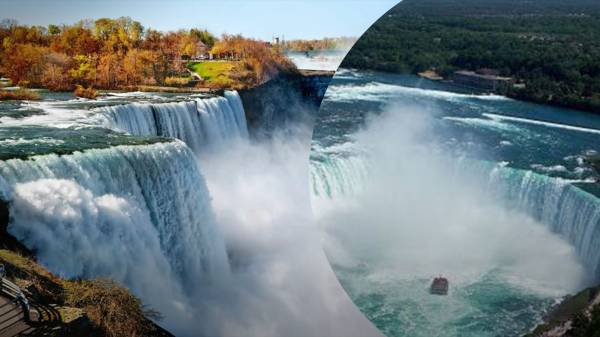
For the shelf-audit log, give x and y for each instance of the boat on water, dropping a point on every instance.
(439, 286)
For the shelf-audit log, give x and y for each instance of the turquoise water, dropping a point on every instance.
(519, 166)
(488, 307)
(62, 124)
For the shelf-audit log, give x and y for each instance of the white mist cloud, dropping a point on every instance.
(76, 233)
(281, 283)
(418, 217)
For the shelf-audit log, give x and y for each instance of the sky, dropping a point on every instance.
(262, 19)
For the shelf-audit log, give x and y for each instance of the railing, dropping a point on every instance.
(13, 291)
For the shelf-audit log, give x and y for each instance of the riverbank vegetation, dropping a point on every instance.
(121, 53)
(98, 307)
(24, 94)
(88, 92)
(550, 46)
(255, 62)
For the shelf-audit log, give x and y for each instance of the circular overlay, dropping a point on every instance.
(432, 157)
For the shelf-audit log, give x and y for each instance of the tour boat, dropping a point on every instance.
(439, 286)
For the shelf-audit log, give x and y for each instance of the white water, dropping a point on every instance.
(383, 92)
(199, 123)
(320, 60)
(414, 217)
(496, 117)
(138, 214)
(144, 216)
(281, 282)
(555, 202)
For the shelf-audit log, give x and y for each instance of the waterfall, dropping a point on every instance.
(337, 176)
(138, 214)
(566, 209)
(199, 122)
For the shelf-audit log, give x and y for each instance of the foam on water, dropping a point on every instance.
(405, 214)
(138, 214)
(377, 91)
(199, 123)
(497, 117)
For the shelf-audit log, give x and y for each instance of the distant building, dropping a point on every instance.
(431, 75)
(202, 51)
(486, 79)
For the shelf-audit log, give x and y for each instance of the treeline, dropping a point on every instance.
(494, 8)
(112, 54)
(260, 61)
(319, 44)
(556, 56)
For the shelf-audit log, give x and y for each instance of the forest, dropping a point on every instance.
(121, 54)
(551, 46)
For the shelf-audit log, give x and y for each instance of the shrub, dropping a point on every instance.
(89, 92)
(177, 81)
(110, 307)
(19, 94)
(24, 84)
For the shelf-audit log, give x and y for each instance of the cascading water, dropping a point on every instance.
(138, 214)
(337, 176)
(142, 214)
(407, 186)
(565, 208)
(161, 183)
(199, 123)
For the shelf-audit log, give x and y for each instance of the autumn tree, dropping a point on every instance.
(115, 53)
(204, 36)
(24, 63)
(75, 40)
(56, 73)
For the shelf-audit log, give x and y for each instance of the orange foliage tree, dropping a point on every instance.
(119, 53)
(263, 60)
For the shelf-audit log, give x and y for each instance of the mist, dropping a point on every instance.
(280, 283)
(421, 215)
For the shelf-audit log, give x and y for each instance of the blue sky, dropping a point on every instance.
(253, 18)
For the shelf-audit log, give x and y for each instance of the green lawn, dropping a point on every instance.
(212, 70)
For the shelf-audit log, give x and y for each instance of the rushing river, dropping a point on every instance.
(412, 178)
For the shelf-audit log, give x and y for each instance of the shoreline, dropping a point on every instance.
(301, 73)
(515, 96)
(557, 322)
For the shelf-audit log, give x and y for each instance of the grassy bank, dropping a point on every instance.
(213, 70)
(221, 74)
